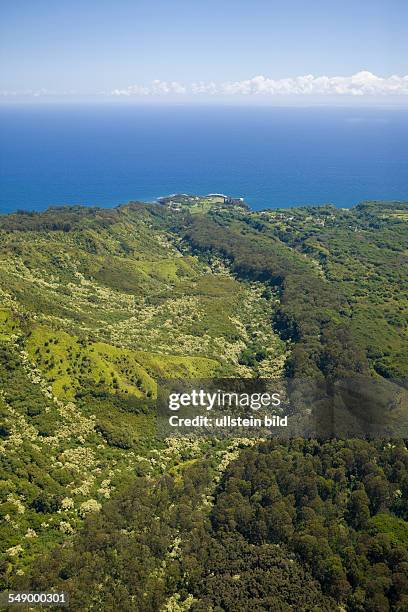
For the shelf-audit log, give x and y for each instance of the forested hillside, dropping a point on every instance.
(96, 305)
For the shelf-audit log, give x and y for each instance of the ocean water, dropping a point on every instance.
(273, 157)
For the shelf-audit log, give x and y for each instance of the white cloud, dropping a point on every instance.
(362, 83)
(34, 93)
(133, 90)
(204, 87)
(157, 88)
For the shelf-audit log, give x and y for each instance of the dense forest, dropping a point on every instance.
(97, 305)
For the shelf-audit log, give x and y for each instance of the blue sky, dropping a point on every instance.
(119, 47)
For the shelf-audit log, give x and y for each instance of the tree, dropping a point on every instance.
(358, 511)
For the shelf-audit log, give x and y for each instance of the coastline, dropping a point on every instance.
(194, 199)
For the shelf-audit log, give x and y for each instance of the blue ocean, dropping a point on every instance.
(273, 157)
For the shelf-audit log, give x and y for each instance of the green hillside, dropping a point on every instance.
(97, 305)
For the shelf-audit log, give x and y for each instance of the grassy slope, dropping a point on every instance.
(94, 308)
(96, 305)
